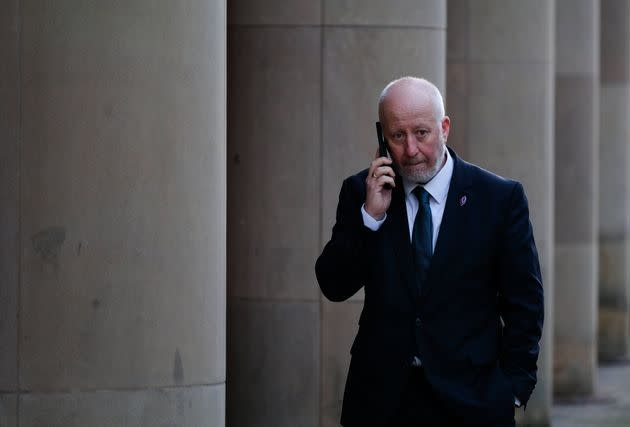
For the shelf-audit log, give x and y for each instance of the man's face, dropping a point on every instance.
(416, 140)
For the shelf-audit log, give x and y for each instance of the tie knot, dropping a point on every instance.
(422, 195)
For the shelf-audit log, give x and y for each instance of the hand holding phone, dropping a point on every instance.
(380, 180)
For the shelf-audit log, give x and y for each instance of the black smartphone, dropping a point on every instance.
(382, 145)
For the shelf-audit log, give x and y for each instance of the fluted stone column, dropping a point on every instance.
(576, 199)
(302, 100)
(113, 213)
(500, 85)
(614, 183)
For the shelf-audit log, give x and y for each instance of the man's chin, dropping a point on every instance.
(421, 177)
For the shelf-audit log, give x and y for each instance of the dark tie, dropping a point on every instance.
(422, 237)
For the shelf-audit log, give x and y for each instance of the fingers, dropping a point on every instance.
(384, 180)
(382, 177)
(377, 163)
(379, 184)
(383, 170)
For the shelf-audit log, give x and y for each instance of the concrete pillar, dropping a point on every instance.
(500, 85)
(113, 208)
(614, 182)
(576, 200)
(302, 98)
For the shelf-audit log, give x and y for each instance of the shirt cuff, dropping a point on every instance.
(517, 402)
(370, 222)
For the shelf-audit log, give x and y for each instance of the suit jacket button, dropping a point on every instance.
(418, 322)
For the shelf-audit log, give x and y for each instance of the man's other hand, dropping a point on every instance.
(379, 184)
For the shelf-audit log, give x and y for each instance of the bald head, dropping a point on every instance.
(410, 90)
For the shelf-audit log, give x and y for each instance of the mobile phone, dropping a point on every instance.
(382, 145)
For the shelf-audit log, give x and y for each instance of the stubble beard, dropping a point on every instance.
(423, 173)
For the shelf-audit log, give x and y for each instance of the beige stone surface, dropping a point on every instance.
(378, 13)
(275, 12)
(575, 367)
(612, 269)
(196, 406)
(340, 324)
(274, 162)
(458, 17)
(510, 31)
(274, 363)
(614, 298)
(575, 319)
(8, 410)
(615, 33)
(351, 90)
(457, 107)
(576, 303)
(498, 32)
(577, 159)
(123, 194)
(9, 192)
(576, 197)
(613, 332)
(577, 36)
(614, 179)
(9, 48)
(614, 222)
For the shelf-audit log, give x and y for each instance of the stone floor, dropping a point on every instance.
(610, 407)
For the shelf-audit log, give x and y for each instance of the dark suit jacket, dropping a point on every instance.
(477, 320)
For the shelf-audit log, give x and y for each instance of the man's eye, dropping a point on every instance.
(422, 132)
(398, 135)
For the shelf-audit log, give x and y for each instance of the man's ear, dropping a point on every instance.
(446, 126)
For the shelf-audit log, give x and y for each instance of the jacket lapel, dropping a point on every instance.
(453, 219)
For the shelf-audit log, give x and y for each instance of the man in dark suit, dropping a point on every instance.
(453, 307)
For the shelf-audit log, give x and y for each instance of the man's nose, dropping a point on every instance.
(411, 149)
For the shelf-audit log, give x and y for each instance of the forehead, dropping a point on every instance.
(404, 104)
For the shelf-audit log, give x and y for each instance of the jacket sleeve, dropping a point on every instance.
(340, 269)
(520, 297)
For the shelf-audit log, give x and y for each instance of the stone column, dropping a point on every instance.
(115, 194)
(302, 101)
(614, 182)
(274, 121)
(576, 200)
(500, 83)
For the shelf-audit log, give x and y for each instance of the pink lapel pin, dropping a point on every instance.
(463, 200)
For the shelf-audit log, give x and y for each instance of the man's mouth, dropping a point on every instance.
(416, 163)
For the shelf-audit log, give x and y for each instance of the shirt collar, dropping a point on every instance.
(439, 184)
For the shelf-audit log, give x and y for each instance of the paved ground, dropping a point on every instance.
(610, 407)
